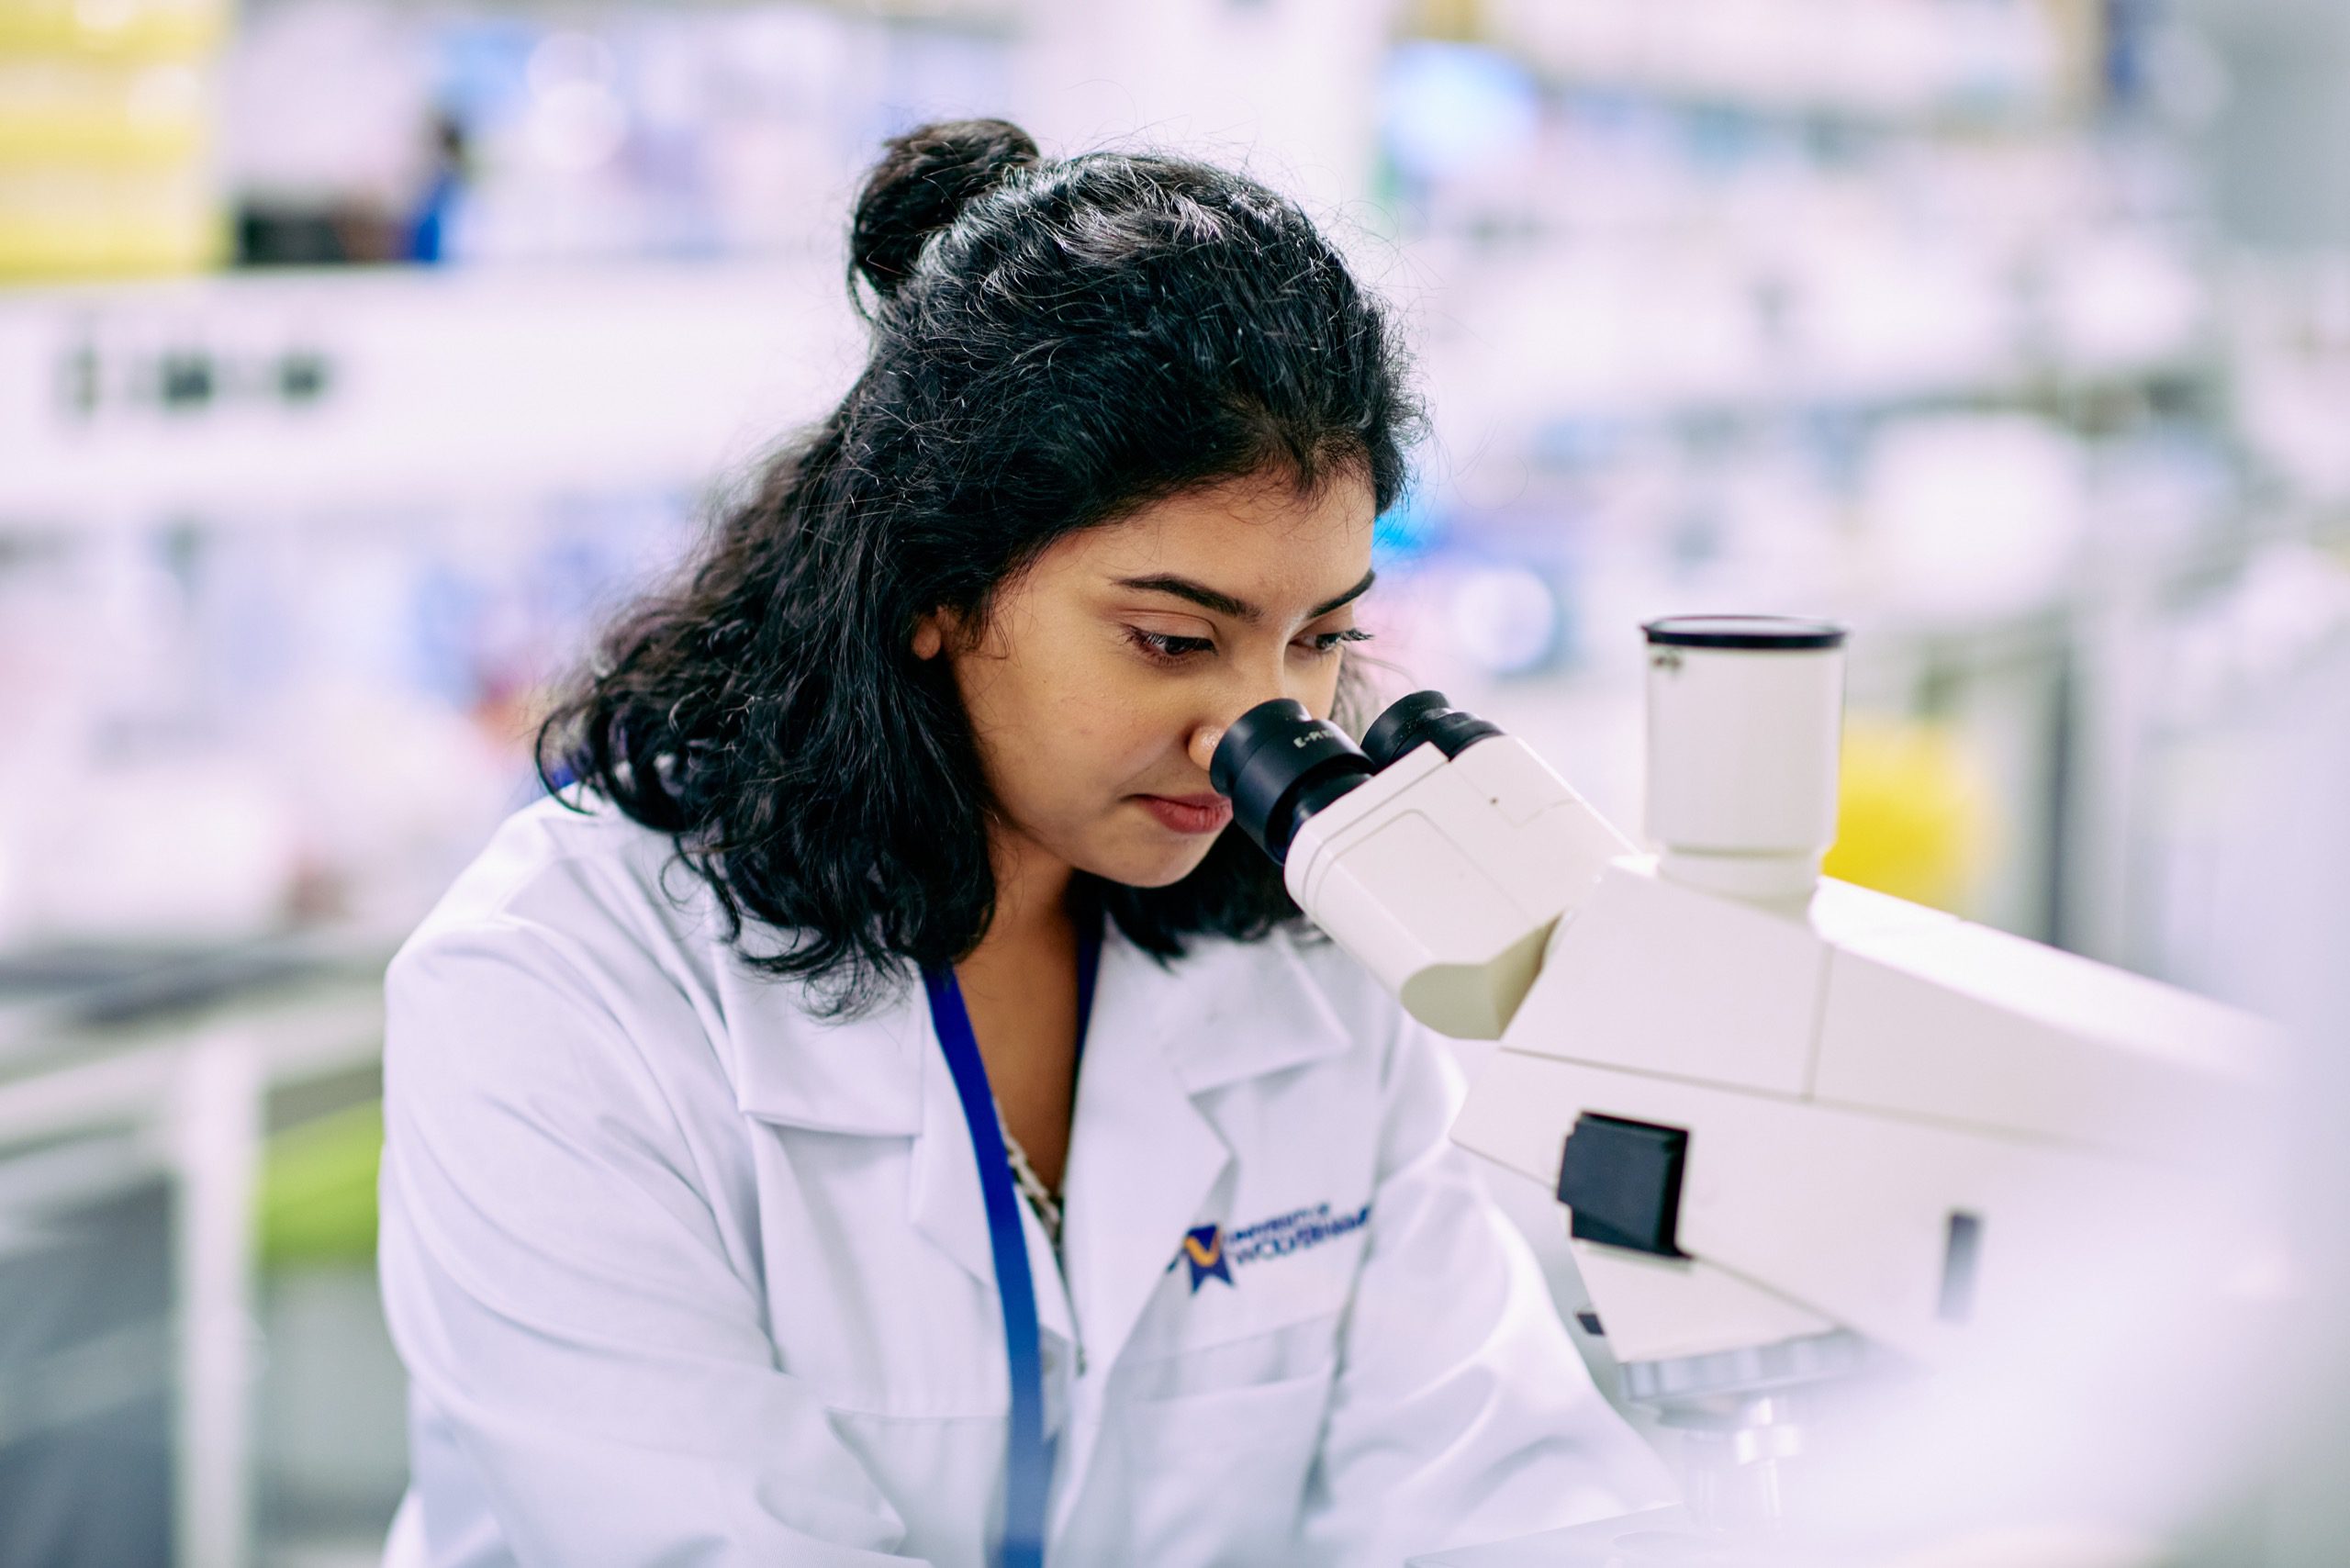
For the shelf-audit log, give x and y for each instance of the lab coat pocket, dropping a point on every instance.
(1292, 1352)
(1219, 1478)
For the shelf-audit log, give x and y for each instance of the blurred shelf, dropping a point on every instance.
(1903, 66)
(1991, 118)
(968, 16)
(122, 1013)
(240, 396)
(2054, 391)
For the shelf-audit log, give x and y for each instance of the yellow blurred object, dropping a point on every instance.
(1913, 818)
(2081, 28)
(106, 115)
(55, 112)
(101, 224)
(119, 29)
(1460, 21)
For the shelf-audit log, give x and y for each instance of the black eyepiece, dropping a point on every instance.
(1424, 716)
(1281, 765)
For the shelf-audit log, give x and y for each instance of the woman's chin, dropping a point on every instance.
(1153, 867)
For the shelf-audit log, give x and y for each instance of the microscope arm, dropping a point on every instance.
(1854, 1114)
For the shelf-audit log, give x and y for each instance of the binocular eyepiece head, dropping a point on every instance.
(1280, 764)
(1422, 718)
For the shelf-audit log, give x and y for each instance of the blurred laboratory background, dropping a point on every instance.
(356, 355)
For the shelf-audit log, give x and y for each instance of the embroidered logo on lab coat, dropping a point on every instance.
(1204, 1250)
(1212, 1253)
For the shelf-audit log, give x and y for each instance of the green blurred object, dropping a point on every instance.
(318, 1190)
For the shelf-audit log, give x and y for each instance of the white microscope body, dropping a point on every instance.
(1804, 1130)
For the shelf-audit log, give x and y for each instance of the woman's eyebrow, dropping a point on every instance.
(1199, 594)
(1225, 604)
(1349, 597)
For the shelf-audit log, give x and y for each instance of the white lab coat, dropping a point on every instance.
(684, 1274)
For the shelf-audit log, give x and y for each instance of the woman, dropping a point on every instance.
(698, 1240)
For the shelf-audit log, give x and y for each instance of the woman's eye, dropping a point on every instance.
(1166, 646)
(1327, 642)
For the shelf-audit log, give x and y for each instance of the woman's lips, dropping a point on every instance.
(1188, 813)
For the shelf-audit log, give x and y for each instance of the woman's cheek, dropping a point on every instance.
(1130, 751)
(1125, 704)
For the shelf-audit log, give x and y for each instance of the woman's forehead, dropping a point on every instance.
(1267, 543)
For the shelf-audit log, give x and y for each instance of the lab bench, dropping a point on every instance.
(137, 1093)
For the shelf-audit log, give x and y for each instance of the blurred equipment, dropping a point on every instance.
(1819, 1145)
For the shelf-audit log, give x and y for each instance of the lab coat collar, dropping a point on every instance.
(862, 1074)
(1233, 1010)
(1225, 1012)
(883, 1074)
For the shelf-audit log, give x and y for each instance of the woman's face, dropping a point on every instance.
(1105, 672)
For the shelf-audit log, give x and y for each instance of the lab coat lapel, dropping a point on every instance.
(1143, 1158)
(1147, 1152)
(1146, 1155)
(946, 1206)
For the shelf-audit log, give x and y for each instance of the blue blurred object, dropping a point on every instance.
(1568, 442)
(1409, 529)
(447, 609)
(1447, 107)
(484, 67)
(428, 231)
(1509, 617)
(2130, 29)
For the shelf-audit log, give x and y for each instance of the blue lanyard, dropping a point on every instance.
(1029, 1458)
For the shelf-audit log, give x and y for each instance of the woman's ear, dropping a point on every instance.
(930, 634)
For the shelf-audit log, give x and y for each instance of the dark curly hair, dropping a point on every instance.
(1055, 343)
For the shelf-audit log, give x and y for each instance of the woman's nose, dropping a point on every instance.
(1246, 687)
(1264, 688)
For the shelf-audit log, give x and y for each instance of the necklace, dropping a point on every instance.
(1032, 1186)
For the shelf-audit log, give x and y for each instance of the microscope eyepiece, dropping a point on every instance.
(1424, 716)
(1281, 765)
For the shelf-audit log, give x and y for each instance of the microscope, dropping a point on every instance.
(1810, 1139)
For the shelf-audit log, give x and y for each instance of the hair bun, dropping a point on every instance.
(927, 176)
